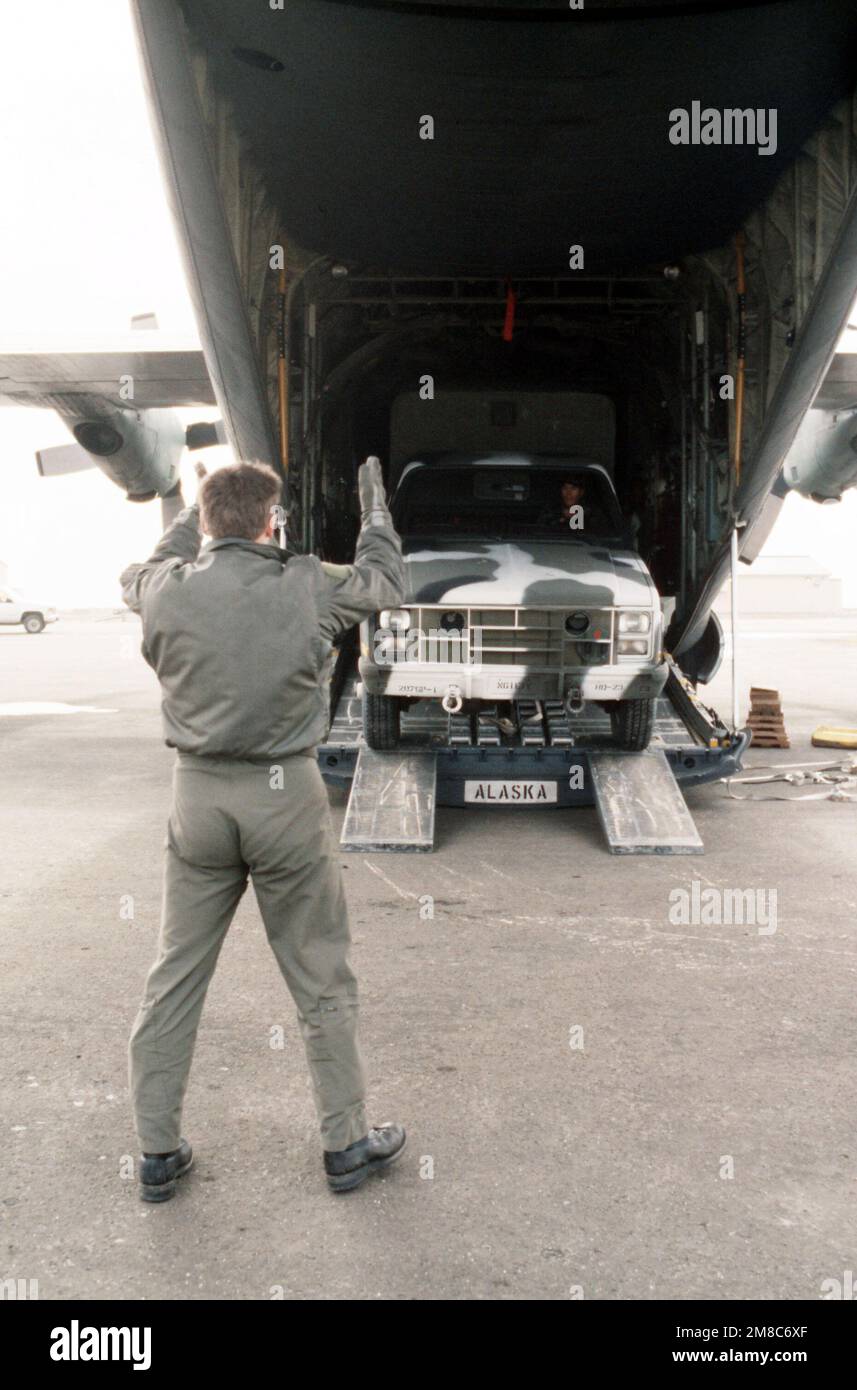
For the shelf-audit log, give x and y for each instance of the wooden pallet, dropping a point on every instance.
(765, 720)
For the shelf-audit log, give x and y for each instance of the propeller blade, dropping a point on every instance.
(61, 459)
(205, 434)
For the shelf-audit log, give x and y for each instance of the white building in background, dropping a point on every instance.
(784, 584)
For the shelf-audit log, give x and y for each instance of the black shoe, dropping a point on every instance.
(158, 1172)
(350, 1167)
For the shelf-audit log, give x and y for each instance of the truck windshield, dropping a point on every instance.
(546, 504)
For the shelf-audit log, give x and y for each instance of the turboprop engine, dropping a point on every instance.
(822, 462)
(138, 450)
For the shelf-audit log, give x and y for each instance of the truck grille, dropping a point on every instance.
(527, 637)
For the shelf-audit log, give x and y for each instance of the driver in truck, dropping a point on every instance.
(571, 495)
(573, 510)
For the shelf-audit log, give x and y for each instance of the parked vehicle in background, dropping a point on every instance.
(18, 608)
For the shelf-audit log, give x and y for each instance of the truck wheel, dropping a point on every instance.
(33, 622)
(381, 721)
(632, 722)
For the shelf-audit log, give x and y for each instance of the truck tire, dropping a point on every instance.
(33, 622)
(632, 722)
(381, 721)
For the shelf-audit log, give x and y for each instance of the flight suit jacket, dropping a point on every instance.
(240, 634)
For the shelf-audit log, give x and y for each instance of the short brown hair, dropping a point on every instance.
(237, 500)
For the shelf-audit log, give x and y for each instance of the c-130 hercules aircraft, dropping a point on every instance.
(624, 233)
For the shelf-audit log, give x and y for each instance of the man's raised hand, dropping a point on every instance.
(373, 499)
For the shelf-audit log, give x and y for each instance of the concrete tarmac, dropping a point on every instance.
(601, 1102)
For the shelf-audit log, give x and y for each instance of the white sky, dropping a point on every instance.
(86, 241)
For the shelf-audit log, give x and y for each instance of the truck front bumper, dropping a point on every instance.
(415, 680)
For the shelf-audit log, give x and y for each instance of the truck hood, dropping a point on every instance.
(524, 573)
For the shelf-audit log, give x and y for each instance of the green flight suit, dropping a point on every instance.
(240, 636)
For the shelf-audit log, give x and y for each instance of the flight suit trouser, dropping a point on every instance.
(229, 819)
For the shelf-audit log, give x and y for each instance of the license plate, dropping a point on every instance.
(503, 793)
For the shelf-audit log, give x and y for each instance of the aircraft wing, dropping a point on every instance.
(124, 372)
(118, 400)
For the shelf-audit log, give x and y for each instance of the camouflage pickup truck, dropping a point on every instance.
(520, 585)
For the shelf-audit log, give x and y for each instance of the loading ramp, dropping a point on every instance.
(392, 802)
(548, 759)
(640, 805)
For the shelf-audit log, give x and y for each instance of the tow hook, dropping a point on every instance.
(574, 700)
(452, 701)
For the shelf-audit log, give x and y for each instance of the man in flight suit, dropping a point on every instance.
(240, 635)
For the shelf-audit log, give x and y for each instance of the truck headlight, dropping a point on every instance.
(632, 646)
(635, 622)
(397, 619)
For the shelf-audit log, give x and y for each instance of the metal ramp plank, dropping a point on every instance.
(640, 804)
(392, 802)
